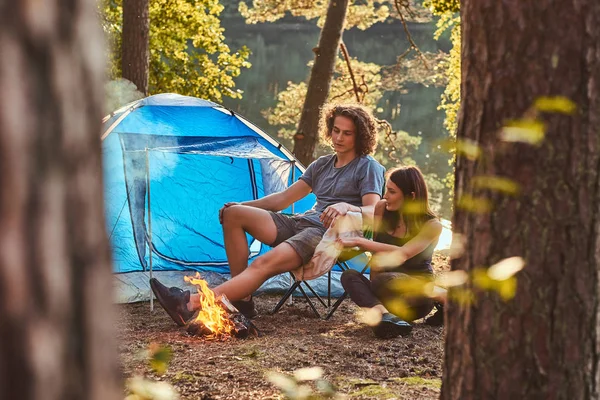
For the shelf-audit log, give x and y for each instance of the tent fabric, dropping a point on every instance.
(170, 163)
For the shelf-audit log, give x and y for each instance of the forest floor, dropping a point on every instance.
(354, 362)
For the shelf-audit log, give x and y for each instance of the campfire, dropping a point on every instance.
(217, 318)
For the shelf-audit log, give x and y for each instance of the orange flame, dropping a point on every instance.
(211, 314)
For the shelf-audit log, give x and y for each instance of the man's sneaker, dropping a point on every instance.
(437, 319)
(174, 300)
(391, 326)
(246, 307)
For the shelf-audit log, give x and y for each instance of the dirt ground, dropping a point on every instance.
(357, 364)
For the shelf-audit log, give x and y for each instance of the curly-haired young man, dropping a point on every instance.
(348, 180)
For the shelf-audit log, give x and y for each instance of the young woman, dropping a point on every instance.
(405, 233)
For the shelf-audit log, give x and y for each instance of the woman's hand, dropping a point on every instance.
(351, 242)
(226, 205)
(333, 211)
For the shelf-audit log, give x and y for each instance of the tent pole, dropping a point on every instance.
(149, 223)
(290, 301)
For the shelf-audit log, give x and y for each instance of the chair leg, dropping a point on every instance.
(309, 301)
(336, 305)
(314, 294)
(285, 296)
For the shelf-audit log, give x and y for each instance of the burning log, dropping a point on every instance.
(217, 318)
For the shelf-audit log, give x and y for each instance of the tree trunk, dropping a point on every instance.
(136, 53)
(543, 344)
(56, 339)
(319, 83)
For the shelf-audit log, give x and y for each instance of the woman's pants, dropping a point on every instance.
(386, 289)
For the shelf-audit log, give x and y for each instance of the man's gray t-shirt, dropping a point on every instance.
(347, 184)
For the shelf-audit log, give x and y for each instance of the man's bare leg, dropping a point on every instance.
(282, 258)
(239, 220)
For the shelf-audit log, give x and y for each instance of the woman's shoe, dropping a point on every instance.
(437, 319)
(391, 326)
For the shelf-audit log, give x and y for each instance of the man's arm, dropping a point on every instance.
(276, 201)
(281, 200)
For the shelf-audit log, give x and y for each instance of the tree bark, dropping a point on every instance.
(544, 343)
(56, 339)
(135, 60)
(319, 83)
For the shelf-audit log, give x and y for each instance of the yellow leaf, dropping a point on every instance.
(387, 259)
(308, 374)
(496, 183)
(399, 307)
(524, 130)
(506, 268)
(482, 280)
(477, 205)
(468, 148)
(452, 278)
(281, 381)
(461, 296)
(458, 245)
(160, 357)
(507, 288)
(555, 104)
(369, 316)
(408, 287)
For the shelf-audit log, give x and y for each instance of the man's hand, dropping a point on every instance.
(231, 203)
(329, 215)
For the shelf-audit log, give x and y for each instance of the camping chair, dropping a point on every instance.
(329, 309)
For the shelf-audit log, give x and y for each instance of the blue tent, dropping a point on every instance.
(170, 163)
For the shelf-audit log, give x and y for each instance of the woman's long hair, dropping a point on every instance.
(417, 211)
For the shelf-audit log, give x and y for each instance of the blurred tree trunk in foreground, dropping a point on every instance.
(135, 59)
(544, 343)
(56, 339)
(319, 83)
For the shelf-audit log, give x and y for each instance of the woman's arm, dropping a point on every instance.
(330, 213)
(428, 233)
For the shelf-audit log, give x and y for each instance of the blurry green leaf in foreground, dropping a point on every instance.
(308, 374)
(458, 245)
(496, 183)
(468, 148)
(451, 278)
(478, 205)
(413, 207)
(159, 357)
(461, 296)
(143, 389)
(369, 316)
(285, 383)
(506, 268)
(523, 130)
(387, 259)
(399, 307)
(555, 104)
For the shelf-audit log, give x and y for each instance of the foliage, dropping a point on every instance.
(287, 112)
(411, 70)
(361, 13)
(447, 11)
(188, 54)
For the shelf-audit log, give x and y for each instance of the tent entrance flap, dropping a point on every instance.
(188, 189)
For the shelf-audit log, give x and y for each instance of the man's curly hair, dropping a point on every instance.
(364, 121)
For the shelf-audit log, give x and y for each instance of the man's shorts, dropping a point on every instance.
(303, 235)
